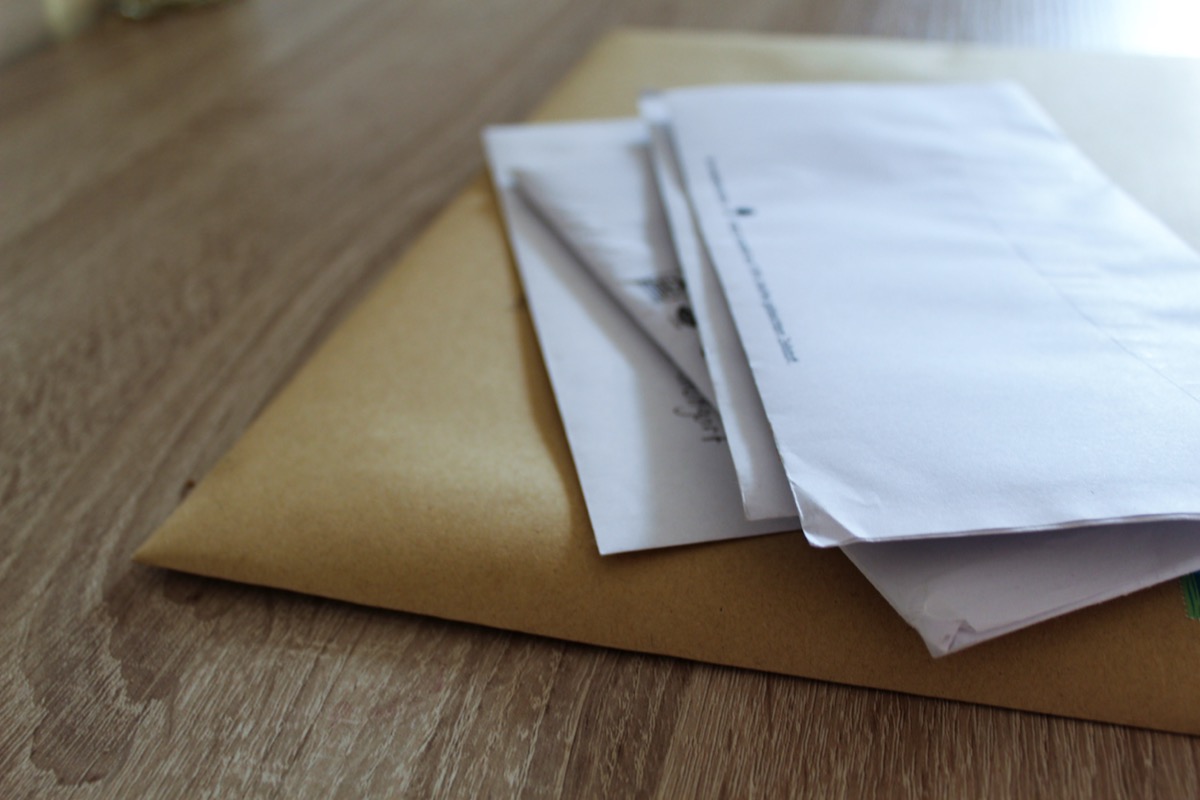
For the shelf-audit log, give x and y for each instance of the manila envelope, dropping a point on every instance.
(417, 462)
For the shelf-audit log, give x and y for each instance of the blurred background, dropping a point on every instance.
(1162, 27)
(28, 24)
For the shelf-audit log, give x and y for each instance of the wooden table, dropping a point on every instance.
(187, 207)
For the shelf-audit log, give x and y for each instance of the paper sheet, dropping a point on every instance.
(957, 325)
(625, 244)
(766, 493)
(649, 449)
(956, 592)
(959, 592)
(595, 187)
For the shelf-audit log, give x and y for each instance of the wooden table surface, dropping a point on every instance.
(187, 207)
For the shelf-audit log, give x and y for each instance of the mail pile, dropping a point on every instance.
(913, 321)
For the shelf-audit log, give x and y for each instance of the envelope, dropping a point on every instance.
(958, 326)
(628, 252)
(766, 492)
(417, 462)
(648, 449)
(654, 466)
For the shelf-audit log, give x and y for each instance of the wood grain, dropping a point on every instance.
(188, 207)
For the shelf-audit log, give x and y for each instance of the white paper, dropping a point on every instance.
(605, 205)
(956, 324)
(649, 450)
(955, 592)
(766, 493)
(625, 244)
(960, 592)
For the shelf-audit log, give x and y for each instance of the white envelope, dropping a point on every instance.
(959, 592)
(766, 493)
(955, 592)
(956, 324)
(648, 448)
(625, 245)
(596, 188)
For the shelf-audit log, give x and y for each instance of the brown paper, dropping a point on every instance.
(418, 462)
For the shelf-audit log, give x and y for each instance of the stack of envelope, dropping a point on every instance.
(911, 320)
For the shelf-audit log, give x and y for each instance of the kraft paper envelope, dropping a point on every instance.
(418, 463)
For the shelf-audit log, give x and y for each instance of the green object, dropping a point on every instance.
(1191, 594)
(143, 9)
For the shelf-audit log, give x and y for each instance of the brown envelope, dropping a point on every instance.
(418, 463)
